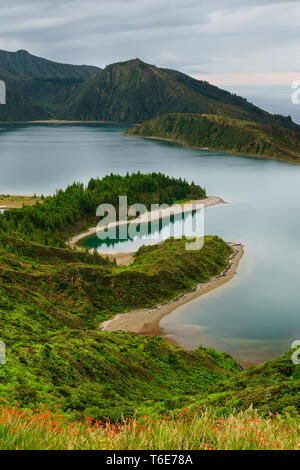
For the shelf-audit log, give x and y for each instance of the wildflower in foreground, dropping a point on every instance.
(197, 429)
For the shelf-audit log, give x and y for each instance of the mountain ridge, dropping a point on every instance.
(36, 87)
(134, 91)
(127, 92)
(25, 65)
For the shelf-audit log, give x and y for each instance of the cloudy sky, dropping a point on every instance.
(224, 41)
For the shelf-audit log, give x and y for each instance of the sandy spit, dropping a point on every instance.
(146, 321)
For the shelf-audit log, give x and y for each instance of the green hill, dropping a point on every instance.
(126, 92)
(24, 65)
(133, 91)
(37, 87)
(225, 134)
(53, 299)
(19, 107)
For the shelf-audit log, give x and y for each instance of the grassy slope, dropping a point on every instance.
(227, 134)
(19, 107)
(200, 429)
(51, 302)
(94, 290)
(272, 387)
(25, 65)
(37, 87)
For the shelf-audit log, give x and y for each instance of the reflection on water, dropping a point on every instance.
(137, 235)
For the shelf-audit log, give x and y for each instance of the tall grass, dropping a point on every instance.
(201, 429)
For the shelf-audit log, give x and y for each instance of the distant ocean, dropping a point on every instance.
(277, 99)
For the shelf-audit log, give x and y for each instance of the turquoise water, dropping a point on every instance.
(137, 235)
(256, 315)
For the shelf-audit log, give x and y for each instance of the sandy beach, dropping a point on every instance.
(146, 321)
(123, 258)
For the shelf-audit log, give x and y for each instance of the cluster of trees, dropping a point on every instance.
(45, 222)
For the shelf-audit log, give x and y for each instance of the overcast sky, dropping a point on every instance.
(224, 41)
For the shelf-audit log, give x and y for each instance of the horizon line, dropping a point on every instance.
(255, 79)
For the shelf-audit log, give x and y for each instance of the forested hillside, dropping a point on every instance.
(37, 87)
(52, 301)
(75, 208)
(127, 92)
(225, 134)
(133, 91)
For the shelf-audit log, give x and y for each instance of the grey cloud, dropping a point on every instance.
(220, 36)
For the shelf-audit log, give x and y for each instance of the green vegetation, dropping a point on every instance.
(133, 91)
(37, 87)
(52, 301)
(197, 429)
(223, 133)
(74, 209)
(126, 92)
(24, 65)
(17, 202)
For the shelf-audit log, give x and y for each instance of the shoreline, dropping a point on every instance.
(59, 121)
(178, 142)
(145, 322)
(62, 121)
(122, 257)
(208, 149)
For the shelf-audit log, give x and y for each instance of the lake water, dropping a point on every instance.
(253, 317)
(135, 235)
